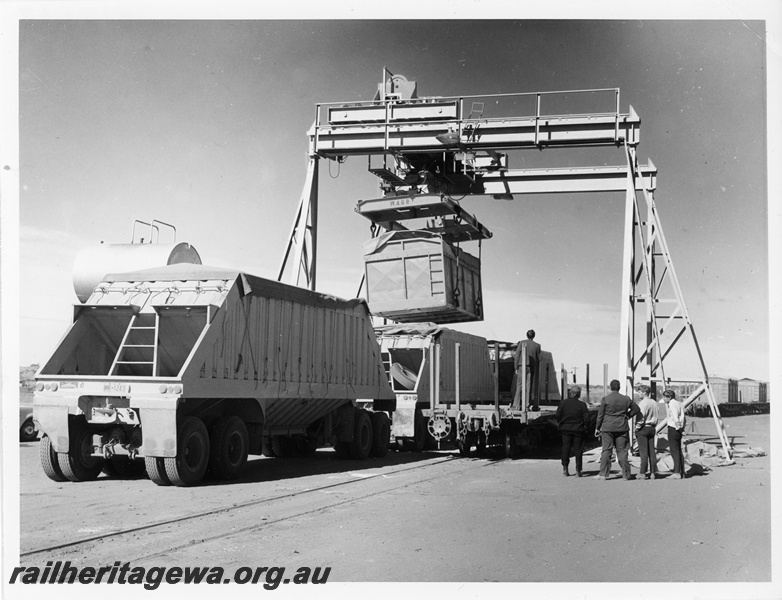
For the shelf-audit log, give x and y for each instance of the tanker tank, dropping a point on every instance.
(94, 262)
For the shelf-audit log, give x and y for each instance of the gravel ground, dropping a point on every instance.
(454, 520)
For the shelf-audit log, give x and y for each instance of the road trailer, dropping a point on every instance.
(454, 387)
(190, 368)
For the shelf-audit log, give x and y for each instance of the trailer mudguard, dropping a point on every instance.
(52, 418)
(158, 426)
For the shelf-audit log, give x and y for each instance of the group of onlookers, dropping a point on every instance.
(614, 417)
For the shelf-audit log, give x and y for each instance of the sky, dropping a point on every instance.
(129, 111)
(202, 124)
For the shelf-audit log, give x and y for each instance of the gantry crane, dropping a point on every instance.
(427, 151)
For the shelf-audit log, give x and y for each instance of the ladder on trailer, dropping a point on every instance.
(137, 353)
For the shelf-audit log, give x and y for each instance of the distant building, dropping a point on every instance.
(738, 390)
(727, 390)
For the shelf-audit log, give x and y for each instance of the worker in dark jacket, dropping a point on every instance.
(612, 424)
(572, 418)
(533, 365)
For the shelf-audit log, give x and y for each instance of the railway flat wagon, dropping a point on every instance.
(187, 369)
(420, 359)
(453, 387)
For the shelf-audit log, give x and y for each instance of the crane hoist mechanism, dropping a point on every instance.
(431, 151)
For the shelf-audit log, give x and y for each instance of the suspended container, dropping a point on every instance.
(415, 276)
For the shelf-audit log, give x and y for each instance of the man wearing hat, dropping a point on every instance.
(572, 418)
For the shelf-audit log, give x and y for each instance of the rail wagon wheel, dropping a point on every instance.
(79, 464)
(192, 457)
(465, 446)
(229, 445)
(381, 434)
(530, 438)
(362, 436)
(123, 467)
(49, 462)
(511, 448)
(156, 470)
(481, 444)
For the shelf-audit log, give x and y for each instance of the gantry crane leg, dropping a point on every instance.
(643, 282)
(303, 239)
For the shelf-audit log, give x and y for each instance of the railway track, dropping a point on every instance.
(122, 536)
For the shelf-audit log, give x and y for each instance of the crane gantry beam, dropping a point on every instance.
(331, 141)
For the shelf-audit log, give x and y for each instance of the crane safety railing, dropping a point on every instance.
(466, 121)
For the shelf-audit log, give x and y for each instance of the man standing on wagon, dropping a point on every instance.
(533, 363)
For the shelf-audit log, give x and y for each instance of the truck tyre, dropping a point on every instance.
(419, 434)
(27, 432)
(79, 464)
(362, 436)
(381, 434)
(123, 467)
(192, 457)
(156, 470)
(49, 460)
(229, 444)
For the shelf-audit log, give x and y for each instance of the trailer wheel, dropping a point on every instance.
(156, 470)
(78, 464)
(283, 446)
(306, 445)
(362, 436)
(229, 444)
(381, 434)
(49, 460)
(123, 467)
(192, 457)
(342, 449)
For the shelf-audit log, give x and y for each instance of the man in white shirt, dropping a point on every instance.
(645, 429)
(676, 422)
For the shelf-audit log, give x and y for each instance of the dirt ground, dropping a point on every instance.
(426, 518)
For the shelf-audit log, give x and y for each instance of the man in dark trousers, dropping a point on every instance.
(612, 423)
(533, 362)
(572, 418)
